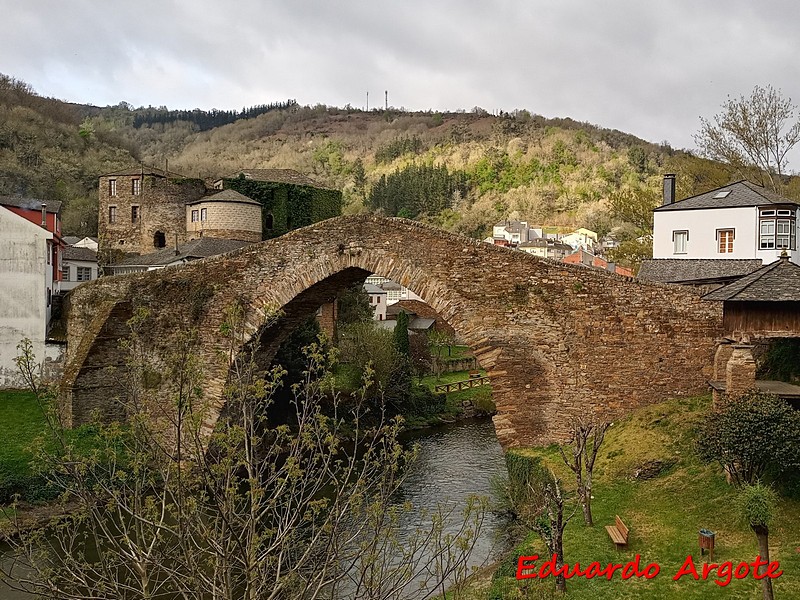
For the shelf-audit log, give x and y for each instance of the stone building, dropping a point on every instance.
(143, 209)
(226, 215)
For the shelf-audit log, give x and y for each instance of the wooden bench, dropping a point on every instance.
(618, 533)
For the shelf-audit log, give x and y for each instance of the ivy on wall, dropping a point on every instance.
(287, 206)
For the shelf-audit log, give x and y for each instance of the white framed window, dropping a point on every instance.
(195, 216)
(112, 187)
(83, 273)
(725, 240)
(136, 186)
(776, 230)
(65, 273)
(680, 241)
(204, 214)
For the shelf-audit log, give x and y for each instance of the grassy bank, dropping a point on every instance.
(664, 512)
(21, 423)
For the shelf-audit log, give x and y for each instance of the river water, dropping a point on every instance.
(454, 461)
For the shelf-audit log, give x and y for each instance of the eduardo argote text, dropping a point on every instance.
(722, 574)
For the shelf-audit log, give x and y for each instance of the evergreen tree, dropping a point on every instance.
(401, 341)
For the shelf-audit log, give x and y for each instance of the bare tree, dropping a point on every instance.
(584, 444)
(304, 512)
(755, 132)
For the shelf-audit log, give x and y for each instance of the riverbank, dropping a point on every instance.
(648, 473)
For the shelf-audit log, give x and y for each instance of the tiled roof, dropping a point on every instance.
(202, 248)
(777, 282)
(277, 176)
(53, 206)
(684, 270)
(226, 196)
(742, 193)
(85, 254)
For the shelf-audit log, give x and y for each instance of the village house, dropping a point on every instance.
(377, 300)
(720, 235)
(394, 291)
(79, 264)
(27, 256)
(546, 248)
(587, 259)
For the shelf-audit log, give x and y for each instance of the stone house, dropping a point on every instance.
(227, 215)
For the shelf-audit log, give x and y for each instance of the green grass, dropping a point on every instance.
(479, 396)
(664, 515)
(21, 423)
(455, 352)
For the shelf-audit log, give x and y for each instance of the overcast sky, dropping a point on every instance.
(644, 67)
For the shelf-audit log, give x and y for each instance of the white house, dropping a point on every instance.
(580, 238)
(738, 221)
(78, 264)
(377, 300)
(25, 296)
(394, 291)
(545, 248)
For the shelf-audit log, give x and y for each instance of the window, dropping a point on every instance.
(112, 214)
(268, 221)
(725, 240)
(112, 187)
(195, 216)
(83, 273)
(135, 214)
(136, 186)
(65, 273)
(378, 300)
(204, 214)
(680, 240)
(776, 230)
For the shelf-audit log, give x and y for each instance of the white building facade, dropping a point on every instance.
(26, 294)
(738, 221)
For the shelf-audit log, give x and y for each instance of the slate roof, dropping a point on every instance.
(742, 193)
(685, 270)
(777, 282)
(202, 248)
(53, 206)
(277, 176)
(226, 196)
(71, 239)
(84, 254)
(373, 289)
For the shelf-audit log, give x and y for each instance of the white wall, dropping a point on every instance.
(73, 265)
(702, 225)
(24, 274)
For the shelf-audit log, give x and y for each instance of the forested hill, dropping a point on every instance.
(462, 171)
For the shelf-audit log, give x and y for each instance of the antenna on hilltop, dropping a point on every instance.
(386, 93)
(367, 101)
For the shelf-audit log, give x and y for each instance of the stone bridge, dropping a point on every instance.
(556, 340)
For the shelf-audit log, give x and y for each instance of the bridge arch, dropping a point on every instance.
(556, 340)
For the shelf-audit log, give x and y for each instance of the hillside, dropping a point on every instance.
(461, 171)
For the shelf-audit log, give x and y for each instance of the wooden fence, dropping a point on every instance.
(457, 386)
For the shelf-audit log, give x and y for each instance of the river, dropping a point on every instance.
(454, 461)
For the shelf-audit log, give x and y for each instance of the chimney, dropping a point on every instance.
(669, 189)
(44, 215)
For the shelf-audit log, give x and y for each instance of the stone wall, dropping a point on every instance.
(557, 340)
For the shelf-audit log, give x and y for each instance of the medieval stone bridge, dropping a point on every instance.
(557, 340)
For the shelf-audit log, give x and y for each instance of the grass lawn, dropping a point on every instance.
(664, 515)
(479, 396)
(21, 422)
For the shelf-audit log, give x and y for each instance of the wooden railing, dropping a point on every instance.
(457, 386)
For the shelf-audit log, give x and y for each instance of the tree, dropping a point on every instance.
(757, 505)
(755, 132)
(354, 306)
(750, 434)
(401, 342)
(307, 512)
(585, 442)
(535, 496)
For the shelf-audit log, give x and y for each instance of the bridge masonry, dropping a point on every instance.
(558, 341)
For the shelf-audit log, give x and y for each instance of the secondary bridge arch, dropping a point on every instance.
(557, 340)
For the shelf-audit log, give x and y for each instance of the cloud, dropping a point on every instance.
(650, 69)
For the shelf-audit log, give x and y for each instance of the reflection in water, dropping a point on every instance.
(454, 462)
